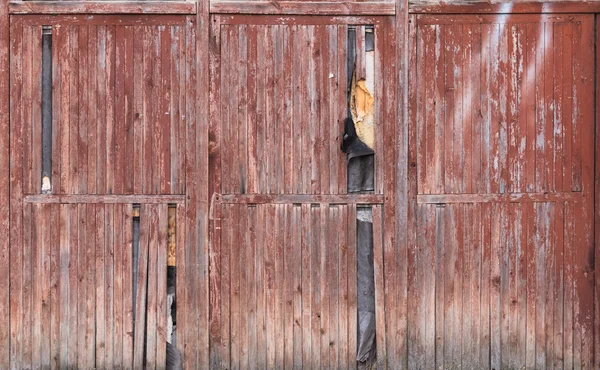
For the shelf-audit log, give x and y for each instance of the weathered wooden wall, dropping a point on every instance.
(483, 212)
(503, 269)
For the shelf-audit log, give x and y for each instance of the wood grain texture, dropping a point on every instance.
(5, 181)
(98, 7)
(511, 209)
(83, 161)
(301, 8)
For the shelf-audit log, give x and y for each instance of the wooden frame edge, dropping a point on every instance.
(505, 8)
(101, 7)
(303, 7)
(4, 185)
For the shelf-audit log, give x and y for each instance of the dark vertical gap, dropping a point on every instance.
(46, 109)
(360, 176)
(136, 253)
(173, 355)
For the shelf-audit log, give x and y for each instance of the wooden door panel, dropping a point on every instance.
(118, 104)
(502, 274)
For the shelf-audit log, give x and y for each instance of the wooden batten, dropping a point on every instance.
(4, 185)
(304, 7)
(102, 7)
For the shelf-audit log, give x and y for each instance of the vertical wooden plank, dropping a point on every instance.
(325, 284)
(5, 184)
(324, 119)
(152, 281)
(378, 250)
(112, 179)
(55, 289)
(503, 100)
(252, 287)
(244, 289)
(352, 288)
(567, 108)
(84, 240)
(26, 110)
(290, 271)
(175, 120)
(485, 240)
(540, 238)
(100, 271)
(226, 242)
(424, 119)
(467, 126)
(440, 292)
(486, 57)
(45, 280)
(457, 129)
(14, 255)
(127, 94)
(512, 124)
(343, 317)
(141, 289)
(522, 86)
(27, 286)
(101, 128)
(261, 234)
(37, 239)
(138, 107)
(334, 282)
(307, 109)
(72, 110)
(279, 285)
(306, 263)
(181, 291)
(334, 78)
(235, 247)
(586, 102)
(315, 286)
(559, 291)
(122, 133)
(161, 285)
(73, 278)
(65, 174)
(341, 102)
(166, 153)
(568, 305)
(91, 100)
(119, 250)
(558, 157)
(214, 173)
(271, 230)
(127, 307)
(495, 294)
(251, 108)
(90, 299)
(109, 276)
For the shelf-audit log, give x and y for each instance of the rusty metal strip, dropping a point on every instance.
(499, 198)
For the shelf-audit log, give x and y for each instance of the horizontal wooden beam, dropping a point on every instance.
(304, 7)
(298, 20)
(111, 198)
(102, 7)
(426, 7)
(300, 198)
(498, 198)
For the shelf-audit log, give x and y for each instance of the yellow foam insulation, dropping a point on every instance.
(172, 251)
(362, 106)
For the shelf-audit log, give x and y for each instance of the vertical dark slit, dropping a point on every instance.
(360, 176)
(173, 355)
(46, 109)
(136, 253)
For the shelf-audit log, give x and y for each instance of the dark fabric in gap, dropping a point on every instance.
(46, 103)
(366, 289)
